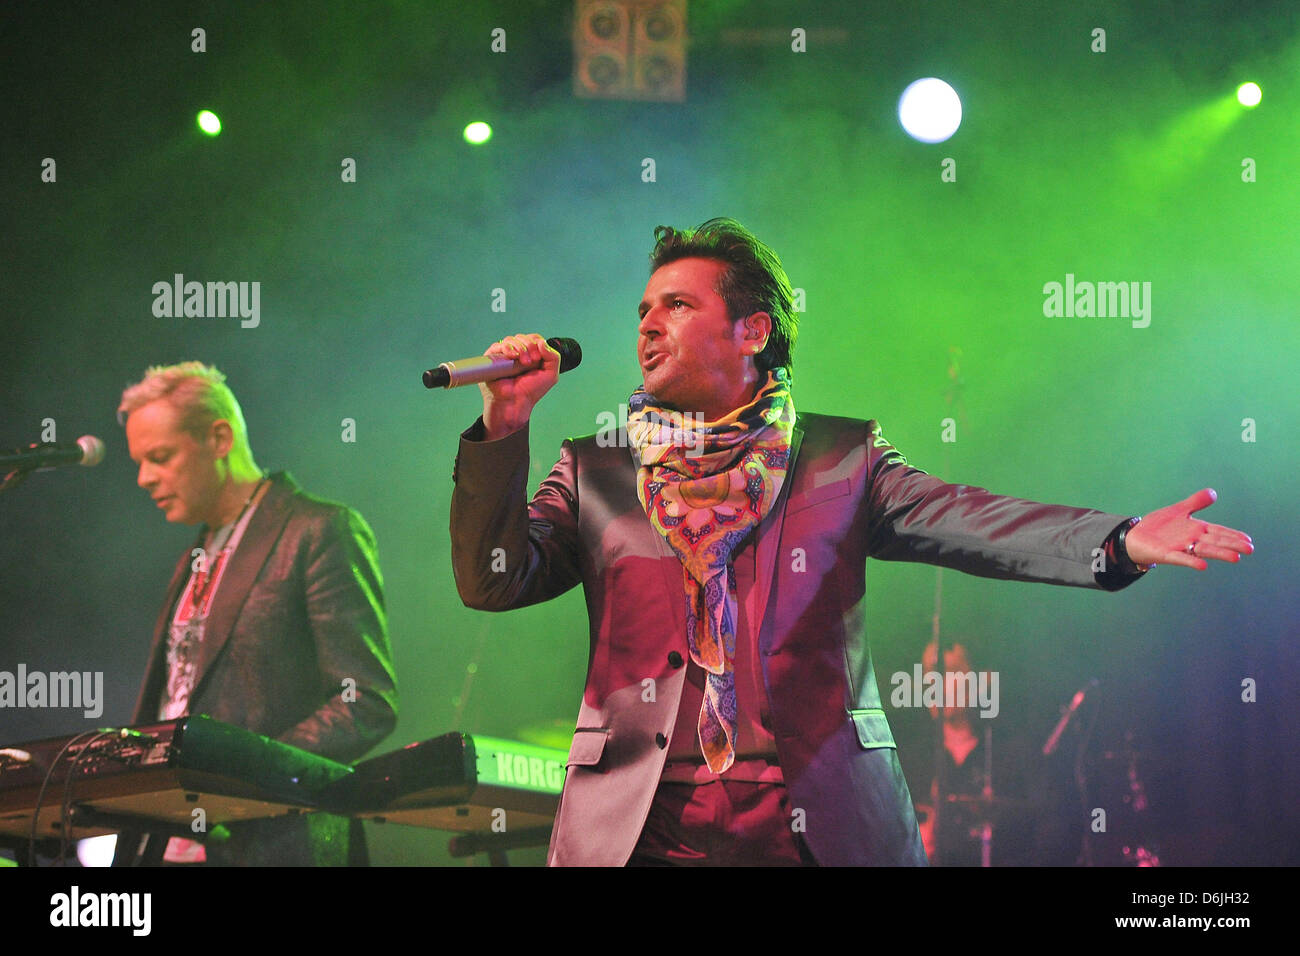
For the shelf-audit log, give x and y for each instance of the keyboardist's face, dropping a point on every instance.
(181, 474)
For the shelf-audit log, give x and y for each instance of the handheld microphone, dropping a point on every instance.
(484, 368)
(87, 451)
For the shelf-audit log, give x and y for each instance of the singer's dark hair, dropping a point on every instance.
(754, 280)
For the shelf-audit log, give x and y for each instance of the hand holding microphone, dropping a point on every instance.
(513, 375)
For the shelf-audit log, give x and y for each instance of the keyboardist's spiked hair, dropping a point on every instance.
(754, 281)
(198, 392)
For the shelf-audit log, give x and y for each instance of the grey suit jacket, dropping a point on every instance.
(848, 496)
(299, 610)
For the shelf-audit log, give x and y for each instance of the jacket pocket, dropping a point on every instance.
(873, 728)
(588, 746)
(836, 489)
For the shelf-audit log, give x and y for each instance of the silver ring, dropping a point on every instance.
(1191, 549)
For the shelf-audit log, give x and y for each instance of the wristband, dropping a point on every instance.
(1122, 549)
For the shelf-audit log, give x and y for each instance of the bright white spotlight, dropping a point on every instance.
(478, 133)
(97, 851)
(209, 122)
(1249, 94)
(930, 110)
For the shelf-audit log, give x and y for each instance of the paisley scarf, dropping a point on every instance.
(705, 486)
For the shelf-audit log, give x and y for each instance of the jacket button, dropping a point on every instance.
(674, 659)
(661, 740)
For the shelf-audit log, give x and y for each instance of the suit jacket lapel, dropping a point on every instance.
(769, 533)
(263, 531)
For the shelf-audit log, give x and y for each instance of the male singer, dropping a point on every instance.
(731, 714)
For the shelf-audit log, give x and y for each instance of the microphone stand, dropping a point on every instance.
(986, 825)
(953, 399)
(471, 670)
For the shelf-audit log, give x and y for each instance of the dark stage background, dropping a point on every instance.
(1123, 165)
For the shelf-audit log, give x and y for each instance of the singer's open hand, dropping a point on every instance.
(508, 402)
(1171, 535)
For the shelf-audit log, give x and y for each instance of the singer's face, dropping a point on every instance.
(693, 356)
(182, 474)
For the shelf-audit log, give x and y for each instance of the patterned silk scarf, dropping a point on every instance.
(705, 486)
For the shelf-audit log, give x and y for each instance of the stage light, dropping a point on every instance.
(208, 122)
(97, 851)
(930, 110)
(1249, 94)
(476, 134)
